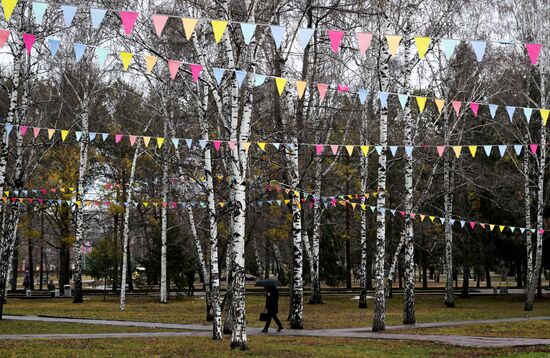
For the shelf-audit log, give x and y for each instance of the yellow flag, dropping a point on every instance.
(365, 150)
(432, 218)
(77, 202)
(393, 43)
(64, 134)
(246, 146)
(502, 227)
(473, 150)
(349, 148)
(150, 61)
(7, 193)
(160, 141)
(145, 203)
(301, 87)
(440, 103)
(544, 115)
(363, 207)
(281, 82)
(8, 6)
(146, 141)
(188, 27)
(218, 26)
(287, 201)
(262, 146)
(422, 44)
(421, 102)
(221, 204)
(457, 149)
(51, 132)
(126, 58)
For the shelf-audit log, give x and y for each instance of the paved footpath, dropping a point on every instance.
(196, 330)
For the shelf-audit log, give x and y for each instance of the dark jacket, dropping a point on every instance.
(272, 300)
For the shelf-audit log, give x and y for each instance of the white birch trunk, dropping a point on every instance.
(78, 209)
(126, 229)
(393, 265)
(363, 233)
(164, 223)
(409, 299)
(448, 205)
(202, 261)
(379, 318)
(533, 268)
(316, 297)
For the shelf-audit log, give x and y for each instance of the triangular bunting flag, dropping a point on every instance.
(68, 14)
(488, 149)
(304, 36)
(349, 149)
(53, 45)
(449, 46)
(322, 88)
(544, 115)
(248, 31)
(280, 82)
(493, 110)
(517, 148)
(97, 16)
(240, 76)
(393, 43)
(528, 112)
(278, 33)
(126, 58)
(457, 105)
(160, 142)
(128, 19)
(8, 6)
(383, 96)
(457, 149)
(421, 102)
(440, 150)
(101, 54)
(4, 34)
(79, 50)
(159, 21)
(502, 150)
(422, 44)
(300, 88)
(363, 94)
(195, 71)
(511, 110)
(64, 134)
(150, 62)
(534, 51)
(479, 49)
(259, 80)
(403, 99)
(335, 39)
(28, 40)
(365, 150)
(39, 9)
(473, 150)
(474, 107)
(364, 40)
(189, 27)
(439, 103)
(173, 67)
(218, 27)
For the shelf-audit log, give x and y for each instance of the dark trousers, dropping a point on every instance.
(268, 322)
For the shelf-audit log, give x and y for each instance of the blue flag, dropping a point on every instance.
(53, 44)
(248, 31)
(79, 51)
(68, 14)
(449, 46)
(39, 9)
(304, 36)
(97, 16)
(479, 49)
(278, 33)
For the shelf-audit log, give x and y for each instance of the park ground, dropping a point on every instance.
(337, 312)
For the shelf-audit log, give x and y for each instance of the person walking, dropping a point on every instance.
(272, 308)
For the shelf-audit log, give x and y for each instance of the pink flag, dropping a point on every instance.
(232, 144)
(456, 106)
(472, 224)
(195, 71)
(412, 215)
(322, 88)
(364, 39)
(132, 139)
(333, 201)
(534, 51)
(475, 108)
(128, 20)
(319, 149)
(173, 67)
(36, 131)
(440, 150)
(335, 39)
(334, 148)
(533, 148)
(217, 144)
(159, 21)
(23, 130)
(118, 137)
(541, 231)
(343, 88)
(29, 40)
(402, 213)
(4, 34)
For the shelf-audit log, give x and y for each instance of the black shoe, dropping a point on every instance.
(264, 330)
(280, 329)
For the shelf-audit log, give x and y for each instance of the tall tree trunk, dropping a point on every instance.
(534, 268)
(78, 210)
(364, 278)
(316, 297)
(202, 262)
(164, 284)
(126, 230)
(379, 318)
(393, 266)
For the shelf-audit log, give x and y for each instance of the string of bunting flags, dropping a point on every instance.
(174, 66)
(328, 202)
(278, 32)
(433, 219)
(320, 149)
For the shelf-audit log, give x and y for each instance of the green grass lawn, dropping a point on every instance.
(336, 312)
(529, 329)
(34, 327)
(259, 347)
